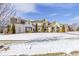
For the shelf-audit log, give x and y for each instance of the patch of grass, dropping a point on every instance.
(74, 53)
(52, 54)
(5, 42)
(23, 55)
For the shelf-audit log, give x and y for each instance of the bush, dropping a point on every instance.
(63, 28)
(36, 28)
(13, 29)
(78, 29)
(42, 28)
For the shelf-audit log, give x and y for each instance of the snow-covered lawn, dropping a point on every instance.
(42, 47)
(42, 43)
(37, 36)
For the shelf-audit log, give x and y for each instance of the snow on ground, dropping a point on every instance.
(33, 36)
(66, 42)
(42, 47)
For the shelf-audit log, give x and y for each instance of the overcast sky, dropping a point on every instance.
(63, 13)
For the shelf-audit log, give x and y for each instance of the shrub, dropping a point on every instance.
(63, 28)
(42, 28)
(36, 28)
(13, 28)
(78, 29)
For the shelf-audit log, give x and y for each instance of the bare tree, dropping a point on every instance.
(6, 11)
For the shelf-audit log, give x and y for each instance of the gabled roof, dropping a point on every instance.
(55, 24)
(28, 25)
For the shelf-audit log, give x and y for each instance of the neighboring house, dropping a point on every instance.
(21, 25)
(23, 28)
(55, 27)
(28, 28)
(74, 26)
(40, 25)
(0, 29)
(4, 29)
(49, 28)
(66, 27)
(13, 20)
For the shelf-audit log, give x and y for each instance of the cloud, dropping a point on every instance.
(53, 14)
(67, 14)
(75, 19)
(62, 5)
(25, 7)
(65, 5)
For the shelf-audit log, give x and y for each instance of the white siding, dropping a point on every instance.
(49, 29)
(19, 28)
